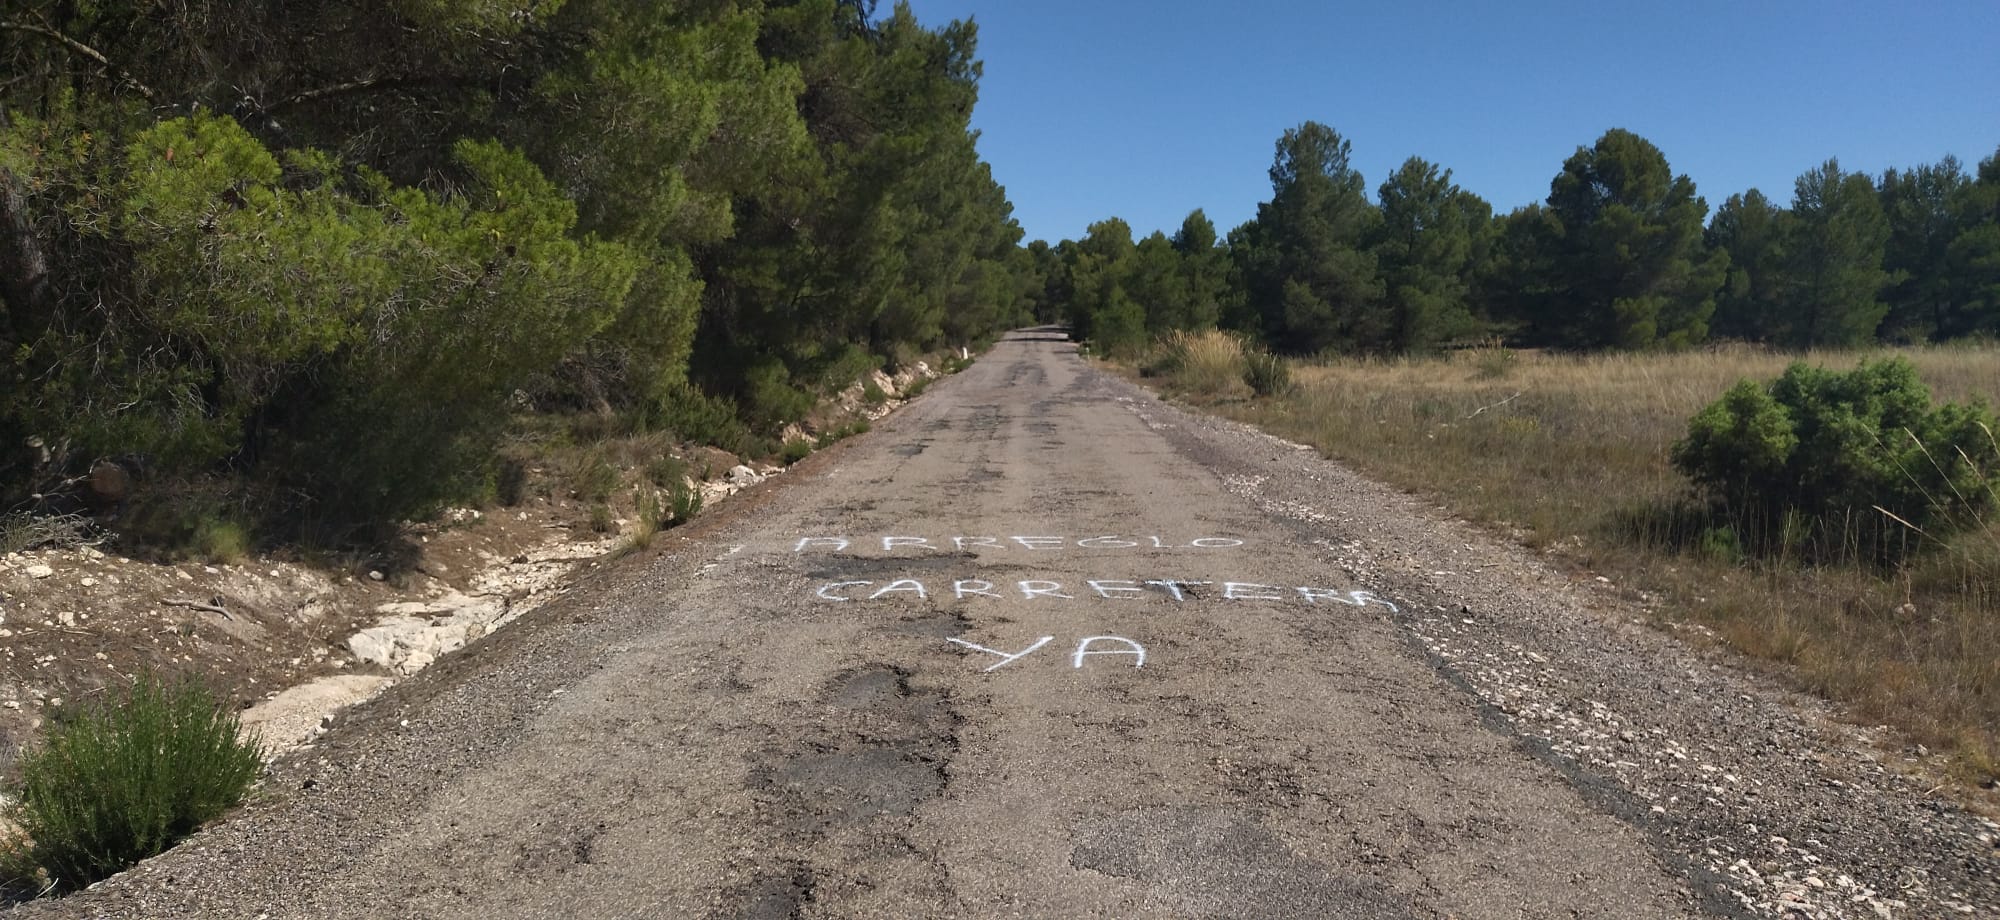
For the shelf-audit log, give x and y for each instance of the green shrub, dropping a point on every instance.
(917, 387)
(666, 471)
(221, 540)
(692, 415)
(600, 518)
(595, 478)
(770, 396)
(684, 501)
(1266, 373)
(116, 782)
(1814, 454)
(795, 450)
(872, 394)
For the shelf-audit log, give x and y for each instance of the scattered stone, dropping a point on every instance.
(376, 575)
(39, 571)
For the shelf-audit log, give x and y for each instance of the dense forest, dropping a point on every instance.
(1623, 254)
(327, 252)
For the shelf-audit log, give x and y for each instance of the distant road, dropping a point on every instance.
(1042, 646)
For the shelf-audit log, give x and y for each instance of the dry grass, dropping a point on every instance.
(1207, 364)
(1570, 453)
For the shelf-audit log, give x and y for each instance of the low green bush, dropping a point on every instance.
(795, 450)
(114, 782)
(666, 471)
(1862, 457)
(222, 541)
(692, 415)
(594, 477)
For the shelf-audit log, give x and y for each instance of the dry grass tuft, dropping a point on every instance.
(1570, 452)
(1202, 364)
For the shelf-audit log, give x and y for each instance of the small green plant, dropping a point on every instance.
(1267, 374)
(595, 478)
(651, 517)
(222, 541)
(115, 782)
(1493, 361)
(1861, 456)
(666, 470)
(600, 518)
(917, 387)
(873, 394)
(684, 501)
(795, 450)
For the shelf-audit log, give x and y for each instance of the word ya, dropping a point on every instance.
(1096, 589)
(1083, 650)
(1114, 541)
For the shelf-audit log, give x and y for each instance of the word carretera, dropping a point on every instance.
(941, 544)
(1110, 589)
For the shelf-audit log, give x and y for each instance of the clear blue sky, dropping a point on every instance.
(1147, 109)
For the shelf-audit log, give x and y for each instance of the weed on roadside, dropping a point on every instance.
(114, 782)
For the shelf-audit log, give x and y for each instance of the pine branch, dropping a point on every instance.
(80, 48)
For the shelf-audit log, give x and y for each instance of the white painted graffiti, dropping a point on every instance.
(892, 544)
(1083, 650)
(1094, 589)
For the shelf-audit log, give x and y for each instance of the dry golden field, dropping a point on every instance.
(1569, 453)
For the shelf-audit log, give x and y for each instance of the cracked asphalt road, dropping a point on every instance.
(1042, 646)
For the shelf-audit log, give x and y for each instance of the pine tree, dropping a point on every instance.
(1630, 268)
(1204, 270)
(1834, 260)
(1314, 282)
(1424, 246)
(1920, 205)
(1752, 232)
(1972, 259)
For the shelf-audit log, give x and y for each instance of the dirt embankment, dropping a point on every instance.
(291, 642)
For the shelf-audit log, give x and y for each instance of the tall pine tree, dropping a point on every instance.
(1630, 267)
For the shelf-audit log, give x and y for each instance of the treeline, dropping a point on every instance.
(1623, 254)
(326, 250)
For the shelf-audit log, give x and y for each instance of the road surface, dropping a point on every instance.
(1042, 646)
